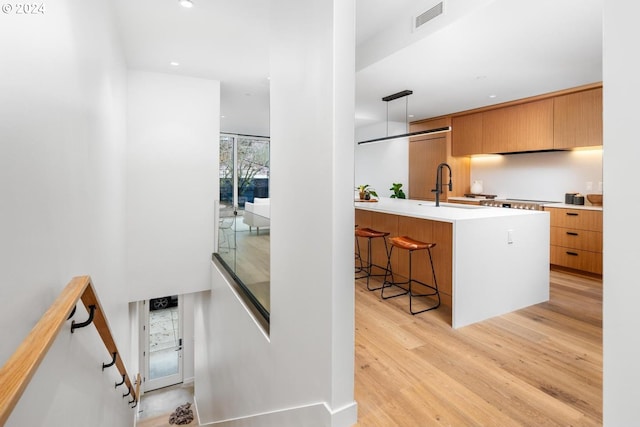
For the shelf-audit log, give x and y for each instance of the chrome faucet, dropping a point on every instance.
(438, 189)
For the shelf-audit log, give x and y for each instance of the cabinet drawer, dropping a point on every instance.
(577, 239)
(577, 259)
(581, 219)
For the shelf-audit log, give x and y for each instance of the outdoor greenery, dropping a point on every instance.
(253, 162)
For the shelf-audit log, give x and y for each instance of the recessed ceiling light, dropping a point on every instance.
(492, 96)
(186, 3)
(222, 117)
(174, 63)
(411, 115)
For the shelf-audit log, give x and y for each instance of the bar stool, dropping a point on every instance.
(367, 268)
(411, 245)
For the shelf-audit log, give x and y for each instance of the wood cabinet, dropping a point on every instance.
(577, 119)
(523, 127)
(466, 135)
(576, 238)
(426, 152)
(556, 121)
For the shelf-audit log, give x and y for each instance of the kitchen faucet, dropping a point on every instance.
(438, 189)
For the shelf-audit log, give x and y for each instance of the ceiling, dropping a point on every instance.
(476, 48)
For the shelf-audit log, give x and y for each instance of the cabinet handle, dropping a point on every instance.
(572, 253)
(571, 233)
(572, 214)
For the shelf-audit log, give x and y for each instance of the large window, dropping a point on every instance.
(244, 216)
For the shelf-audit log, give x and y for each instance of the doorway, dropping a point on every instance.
(163, 361)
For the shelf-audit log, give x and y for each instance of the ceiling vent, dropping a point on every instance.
(427, 16)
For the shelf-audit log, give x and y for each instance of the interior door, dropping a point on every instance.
(163, 353)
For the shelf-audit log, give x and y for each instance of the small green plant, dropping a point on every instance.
(365, 192)
(398, 193)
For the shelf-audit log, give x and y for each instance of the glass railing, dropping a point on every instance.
(243, 248)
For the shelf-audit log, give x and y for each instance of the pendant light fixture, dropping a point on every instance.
(393, 97)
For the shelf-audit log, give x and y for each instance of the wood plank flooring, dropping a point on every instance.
(540, 366)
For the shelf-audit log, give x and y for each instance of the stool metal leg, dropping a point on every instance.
(434, 287)
(368, 267)
(409, 282)
(387, 284)
(358, 258)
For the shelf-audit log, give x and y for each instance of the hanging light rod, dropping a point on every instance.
(407, 135)
(392, 97)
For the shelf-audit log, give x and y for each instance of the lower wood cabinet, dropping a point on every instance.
(576, 239)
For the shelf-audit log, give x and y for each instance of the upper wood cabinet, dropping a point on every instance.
(577, 119)
(522, 127)
(466, 138)
(560, 121)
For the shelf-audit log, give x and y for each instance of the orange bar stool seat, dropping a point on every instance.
(366, 268)
(411, 245)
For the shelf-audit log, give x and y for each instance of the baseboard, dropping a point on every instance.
(313, 415)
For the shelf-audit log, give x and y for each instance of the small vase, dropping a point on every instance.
(476, 187)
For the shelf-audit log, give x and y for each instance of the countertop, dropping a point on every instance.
(446, 212)
(567, 206)
(468, 199)
(586, 206)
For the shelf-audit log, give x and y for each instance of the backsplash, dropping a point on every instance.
(539, 176)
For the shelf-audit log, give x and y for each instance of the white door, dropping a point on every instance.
(163, 336)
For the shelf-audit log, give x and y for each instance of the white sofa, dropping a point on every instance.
(258, 213)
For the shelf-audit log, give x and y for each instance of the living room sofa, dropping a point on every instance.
(257, 213)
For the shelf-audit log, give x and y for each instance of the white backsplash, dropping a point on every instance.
(539, 176)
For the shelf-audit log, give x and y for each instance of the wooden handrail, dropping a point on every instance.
(17, 372)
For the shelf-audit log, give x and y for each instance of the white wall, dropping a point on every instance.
(62, 133)
(380, 164)
(303, 373)
(621, 232)
(536, 176)
(539, 176)
(172, 157)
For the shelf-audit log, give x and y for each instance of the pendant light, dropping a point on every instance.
(393, 97)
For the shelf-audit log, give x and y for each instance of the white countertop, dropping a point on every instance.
(446, 212)
(567, 206)
(468, 199)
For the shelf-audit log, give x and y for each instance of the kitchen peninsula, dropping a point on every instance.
(488, 261)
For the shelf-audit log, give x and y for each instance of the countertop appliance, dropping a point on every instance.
(534, 205)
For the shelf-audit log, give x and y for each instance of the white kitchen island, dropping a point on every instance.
(491, 261)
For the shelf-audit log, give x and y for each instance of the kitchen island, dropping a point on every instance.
(489, 261)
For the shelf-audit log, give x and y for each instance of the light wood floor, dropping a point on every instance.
(540, 366)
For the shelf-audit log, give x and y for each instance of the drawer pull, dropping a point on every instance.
(572, 233)
(572, 214)
(572, 253)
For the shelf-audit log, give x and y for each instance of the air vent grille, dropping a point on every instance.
(428, 15)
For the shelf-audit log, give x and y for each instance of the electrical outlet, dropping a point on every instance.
(589, 186)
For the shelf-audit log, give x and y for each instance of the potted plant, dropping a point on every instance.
(398, 193)
(365, 192)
